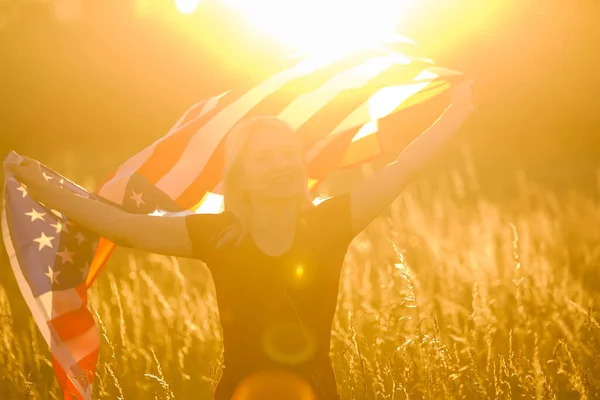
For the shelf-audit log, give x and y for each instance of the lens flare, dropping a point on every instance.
(288, 342)
(274, 385)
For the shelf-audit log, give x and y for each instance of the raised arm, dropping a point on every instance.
(371, 197)
(162, 235)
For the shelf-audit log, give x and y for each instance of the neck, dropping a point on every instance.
(273, 215)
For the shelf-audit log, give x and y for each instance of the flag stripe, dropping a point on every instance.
(295, 101)
(44, 307)
(362, 115)
(59, 302)
(103, 253)
(209, 177)
(203, 144)
(87, 366)
(77, 348)
(328, 157)
(167, 153)
(72, 324)
(83, 372)
(30, 299)
(344, 103)
(329, 153)
(272, 104)
(192, 113)
(330, 103)
(70, 390)
(114, 188)
(368, 148)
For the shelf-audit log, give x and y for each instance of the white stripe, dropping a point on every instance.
(306, 105)
(365, 114)
(204, 142)
(70, 352)
(388, 99)
(34, 306)
(59, 302)
(114, 189)
(77, 348)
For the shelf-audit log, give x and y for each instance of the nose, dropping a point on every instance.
(281, 161)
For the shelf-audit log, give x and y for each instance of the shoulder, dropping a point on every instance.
(330, 208)
(330, 220)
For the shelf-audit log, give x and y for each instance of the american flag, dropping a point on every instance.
(50, 258)
(349, 109)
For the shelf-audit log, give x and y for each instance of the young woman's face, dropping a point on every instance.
(273, 164)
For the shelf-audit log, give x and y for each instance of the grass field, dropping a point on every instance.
(446, 296)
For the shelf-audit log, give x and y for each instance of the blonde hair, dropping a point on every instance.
(234, 199)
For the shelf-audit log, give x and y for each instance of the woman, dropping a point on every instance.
(274, 257)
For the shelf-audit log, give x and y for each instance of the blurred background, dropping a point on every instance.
(492, 291)
(86, 84)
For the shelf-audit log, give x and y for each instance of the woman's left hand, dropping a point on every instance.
(28, 171)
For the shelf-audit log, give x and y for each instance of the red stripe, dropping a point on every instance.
(330, 157)
(346, 101)
(395, 132)
(72, 324)
(84, 371)
(210, 176)
(67, 387)
(86, 367)
(168, 152)
(81, 290)
(103, 252)
(273, 104)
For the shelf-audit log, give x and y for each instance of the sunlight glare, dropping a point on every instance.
(314, 25)
(212, 203)
(187, 6)
(388, 99)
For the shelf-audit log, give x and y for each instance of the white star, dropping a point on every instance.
(66, 256)
(60, 227)
(137, 197)
(158, 213)
(62, 181)
(23, 189)
(35, 215)
(52, 275)
(80, 238)
(46, 176)
(44, 241)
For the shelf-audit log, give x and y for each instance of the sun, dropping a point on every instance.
(186, 6)
(315, 25)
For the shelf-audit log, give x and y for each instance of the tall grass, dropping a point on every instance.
(446, 296)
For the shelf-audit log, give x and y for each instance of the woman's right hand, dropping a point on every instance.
(28, 171)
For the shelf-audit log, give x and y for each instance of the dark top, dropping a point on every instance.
(277, 312)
